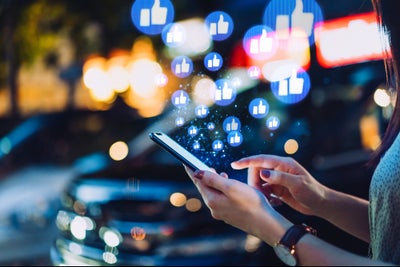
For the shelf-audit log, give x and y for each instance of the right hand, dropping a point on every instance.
(288, 180)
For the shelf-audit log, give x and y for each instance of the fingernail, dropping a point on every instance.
(198, 174)
(266, 173)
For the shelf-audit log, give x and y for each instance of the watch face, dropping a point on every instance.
(284, 254)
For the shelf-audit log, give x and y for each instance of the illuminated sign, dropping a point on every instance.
(349, 40)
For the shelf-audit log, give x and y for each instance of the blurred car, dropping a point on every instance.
(37, 160)
(149, 216)
(144, 211)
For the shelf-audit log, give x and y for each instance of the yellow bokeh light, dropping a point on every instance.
(291, 146)
(119, 150)
(143, 74)
(177, 199)
(203, 90)
(382, 98)
(193, 204)
(138, 233)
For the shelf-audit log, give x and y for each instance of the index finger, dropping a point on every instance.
(262, 161)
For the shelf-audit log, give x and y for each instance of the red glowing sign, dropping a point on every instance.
(349, 40)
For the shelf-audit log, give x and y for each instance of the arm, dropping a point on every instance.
(286, 178)
(347, 212)
(246, 208)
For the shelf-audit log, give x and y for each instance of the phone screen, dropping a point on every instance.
(178, 151)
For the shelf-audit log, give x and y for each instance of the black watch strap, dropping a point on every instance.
(294, 233)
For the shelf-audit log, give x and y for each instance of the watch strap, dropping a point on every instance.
(294, 233)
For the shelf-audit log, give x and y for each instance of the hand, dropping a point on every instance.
(240, 205)
(285, 178)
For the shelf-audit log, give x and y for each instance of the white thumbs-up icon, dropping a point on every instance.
(259, 109)
(223, 26)
(261, 44)
(302, 20)
(220, 27)
(214, 62)
(235, 138)
(174, 35)
(295, 84)
(157, 15)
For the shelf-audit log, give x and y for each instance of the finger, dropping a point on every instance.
(284, 179)
(286, 164)
(253, 177)
(215, 181)
(224, 174)
(262, 161)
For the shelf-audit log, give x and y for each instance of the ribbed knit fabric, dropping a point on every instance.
(384, 209)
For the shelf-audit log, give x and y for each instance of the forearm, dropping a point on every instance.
(347, 212)
(312, 251)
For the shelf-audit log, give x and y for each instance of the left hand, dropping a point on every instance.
(239, 205)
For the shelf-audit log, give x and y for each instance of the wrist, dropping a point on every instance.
(276, 227)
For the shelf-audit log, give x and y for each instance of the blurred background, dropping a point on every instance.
(82, 83)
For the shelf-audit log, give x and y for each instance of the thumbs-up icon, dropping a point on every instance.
(220, 25)
(231, 123)
(261, 44)
(258, 108)
(185, 66)
(301, 20)
(174, 35)
(158, 14)
(180, 98)
(213, 61)
(235, 138)
(217, 145)
(192, 131)
(182, 66)
(179, 121)
(295, 84)
(226, 92)
(273, 123)
(233, 126)
(201, 111)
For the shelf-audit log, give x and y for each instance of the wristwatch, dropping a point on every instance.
(285, 249)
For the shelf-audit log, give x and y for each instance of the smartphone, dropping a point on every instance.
(178, 151)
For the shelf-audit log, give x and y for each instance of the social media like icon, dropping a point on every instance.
(193, 130)
(211, 126)
(151, 16)
(180, 98)
(259, 42)
(235, 138)
(231, 123)
(179, 121)
(254, 72)
(258, 108)
(225, 92)
(289, 17)
(161, 79)
(213, 61)
(201, 111)
(217, 145)
(182, 66)
(273, 123)
(220, 25)
(196, 145)
(173, 35)
(292, 89)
